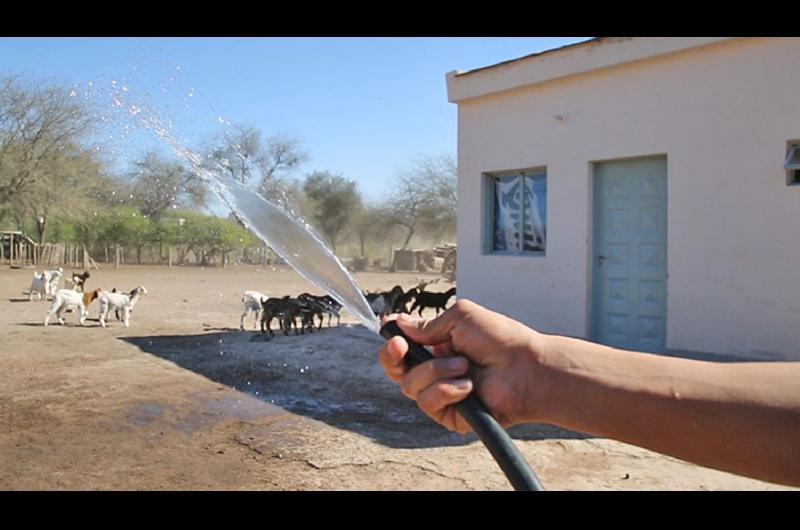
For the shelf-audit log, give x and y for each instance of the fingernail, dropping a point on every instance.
(462, 384)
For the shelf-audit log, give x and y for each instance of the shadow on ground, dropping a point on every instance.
(332, 376)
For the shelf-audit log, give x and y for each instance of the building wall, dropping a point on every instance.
(722, 114)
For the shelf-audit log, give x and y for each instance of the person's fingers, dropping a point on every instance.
(443, 350)
(429, 372)
(436, 401)
(391, 355)
(432, 331)
(388, 318)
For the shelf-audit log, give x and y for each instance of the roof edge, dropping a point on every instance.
(572, 59)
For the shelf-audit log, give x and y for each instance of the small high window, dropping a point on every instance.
(516, 212)
(792, 165)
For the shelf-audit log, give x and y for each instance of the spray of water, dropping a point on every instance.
(271, 221)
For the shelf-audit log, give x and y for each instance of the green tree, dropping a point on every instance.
(127, 227)
(66, 185)
(335, 201)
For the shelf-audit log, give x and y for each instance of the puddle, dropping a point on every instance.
(143, 414)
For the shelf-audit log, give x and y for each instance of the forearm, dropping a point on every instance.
(739, 417)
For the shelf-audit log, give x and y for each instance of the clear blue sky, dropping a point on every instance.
(362, 107)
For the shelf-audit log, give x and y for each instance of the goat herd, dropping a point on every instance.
(78, 298)
(287, 310)
(306, 307)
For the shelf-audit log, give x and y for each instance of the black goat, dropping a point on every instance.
(274, 308)
(323, 304)
(383, 303)
(434, 300)
(79, 280)
(401, 304)
(287, 310)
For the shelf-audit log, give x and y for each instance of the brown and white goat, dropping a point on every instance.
(67, 298)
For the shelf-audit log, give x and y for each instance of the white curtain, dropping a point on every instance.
(507, 195)
(520, 201)
(535, 212)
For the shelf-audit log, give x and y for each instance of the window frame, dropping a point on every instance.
(792, 168)
(488, 213)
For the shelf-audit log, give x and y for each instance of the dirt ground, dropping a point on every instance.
(183, 400)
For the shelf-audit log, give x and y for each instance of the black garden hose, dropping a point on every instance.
(493, 436)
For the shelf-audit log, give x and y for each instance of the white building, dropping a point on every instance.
(656, 187)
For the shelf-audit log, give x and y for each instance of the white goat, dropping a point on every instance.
(67, 298)
(44, 284)
(119, 301)
(252, 303)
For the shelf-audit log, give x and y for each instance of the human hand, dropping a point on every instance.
(475, 348)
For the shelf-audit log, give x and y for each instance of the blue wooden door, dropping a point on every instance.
(629, 306)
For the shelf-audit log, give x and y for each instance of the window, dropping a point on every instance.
(792, 165)
(516, 212)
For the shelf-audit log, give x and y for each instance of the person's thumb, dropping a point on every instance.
(427, 331)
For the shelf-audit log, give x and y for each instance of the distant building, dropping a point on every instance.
(639, 192)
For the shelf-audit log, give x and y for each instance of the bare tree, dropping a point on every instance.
(423, 200)
(67, 184)
(245, 156)
(36, 124)
(160, 184)
(371, 222)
